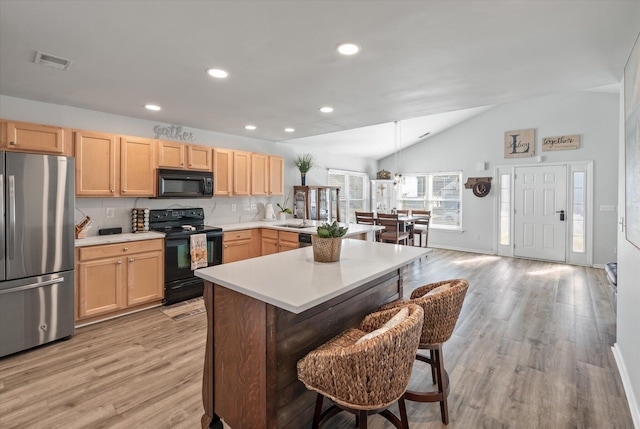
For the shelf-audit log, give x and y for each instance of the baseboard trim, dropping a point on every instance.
(626, 383)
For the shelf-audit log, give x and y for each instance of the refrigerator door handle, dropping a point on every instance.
(12, 216)
(32, 285)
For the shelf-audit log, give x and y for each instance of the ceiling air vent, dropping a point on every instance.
(52, 61)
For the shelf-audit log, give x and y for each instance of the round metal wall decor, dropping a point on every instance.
(481, 189)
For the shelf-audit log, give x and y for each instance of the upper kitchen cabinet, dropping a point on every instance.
(259, 174)
(199, 157)
(276, 175)
(171, 154)
(35, 138)
(97, 158)
(108, 165)
(267, 175)
(241, 173)
(184, 156)
(231, 172)
(137, 167)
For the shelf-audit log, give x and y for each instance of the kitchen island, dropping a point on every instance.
(266, 313)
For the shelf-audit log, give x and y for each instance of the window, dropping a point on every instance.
(354, 195)
(505, 209)
(438, 192)
(577, 218)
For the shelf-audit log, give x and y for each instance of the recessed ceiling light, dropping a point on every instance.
(152, 107)
(289, 130)
(220, 74)
(348, 48)
(250, 127)
(326, 109)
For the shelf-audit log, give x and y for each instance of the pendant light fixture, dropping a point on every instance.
(397, 142)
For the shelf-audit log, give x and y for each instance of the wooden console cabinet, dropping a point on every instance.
(114, 278)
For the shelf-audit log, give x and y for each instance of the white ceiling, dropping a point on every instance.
(450, 59)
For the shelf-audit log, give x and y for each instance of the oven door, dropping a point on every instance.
(177, 255)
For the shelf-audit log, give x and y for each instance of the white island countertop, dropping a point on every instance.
(293, 281)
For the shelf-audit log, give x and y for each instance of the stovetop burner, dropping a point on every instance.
(171, 221)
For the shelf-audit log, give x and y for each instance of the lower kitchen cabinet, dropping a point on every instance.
(269, 244)
(288, 241)
(240, 245)
(274, 241)
(114, 279)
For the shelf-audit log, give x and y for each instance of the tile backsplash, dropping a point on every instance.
(218, 210)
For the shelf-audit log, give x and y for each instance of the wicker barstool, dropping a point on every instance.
(441, 303)
(365, 377)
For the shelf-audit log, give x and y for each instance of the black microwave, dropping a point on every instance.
(184, 184)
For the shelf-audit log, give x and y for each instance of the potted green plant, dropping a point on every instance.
(304, 162)
(327, 242)
(284, 210)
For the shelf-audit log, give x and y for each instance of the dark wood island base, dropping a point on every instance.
(250, 376)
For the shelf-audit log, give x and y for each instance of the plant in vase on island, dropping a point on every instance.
(327, 242)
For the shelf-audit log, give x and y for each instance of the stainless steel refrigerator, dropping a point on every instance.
(36, 251)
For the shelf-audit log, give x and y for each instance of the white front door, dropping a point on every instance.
(540, 202)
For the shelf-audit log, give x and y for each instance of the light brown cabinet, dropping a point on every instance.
(97, 164)
(240, 245)
(34, 138)
(276, 175)
(270, 242)
(274, 241)
(137, 167)
(288, 241)
(267, 174)
(241, 173)
(108, 165)
(115, 278)
(184, 156)
(231, 172)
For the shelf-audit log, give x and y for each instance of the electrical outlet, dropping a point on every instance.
(111, 212)
(233, 207)
(254, 206)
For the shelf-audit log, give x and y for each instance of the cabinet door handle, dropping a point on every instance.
(124, 190)
(119, 261)
(125, 249)
(226, 245)
(131, 259)
(12, 143)
(112, 191)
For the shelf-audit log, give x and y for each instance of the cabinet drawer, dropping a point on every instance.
(244, 234)
(118, 249)
(270, 233)
(289, 236)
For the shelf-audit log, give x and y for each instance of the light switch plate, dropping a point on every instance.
(111, 212)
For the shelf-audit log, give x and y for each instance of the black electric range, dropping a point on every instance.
(179, 225)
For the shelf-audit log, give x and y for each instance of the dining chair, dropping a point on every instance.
(366, 370)
(392, 231)
(367, 218)
(421, 226)
(442, 303)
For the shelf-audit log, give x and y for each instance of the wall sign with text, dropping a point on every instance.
(561, 143)
(519, 143)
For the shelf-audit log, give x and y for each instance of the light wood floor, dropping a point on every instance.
(531, 350)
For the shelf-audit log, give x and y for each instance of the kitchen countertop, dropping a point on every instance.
(117, 238)
(293, 281)
(354, 228)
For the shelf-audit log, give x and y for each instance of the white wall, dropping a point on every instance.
(594, 116)
(627, 348)
(218, 209)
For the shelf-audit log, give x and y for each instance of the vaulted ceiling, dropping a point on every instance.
(434, 62)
